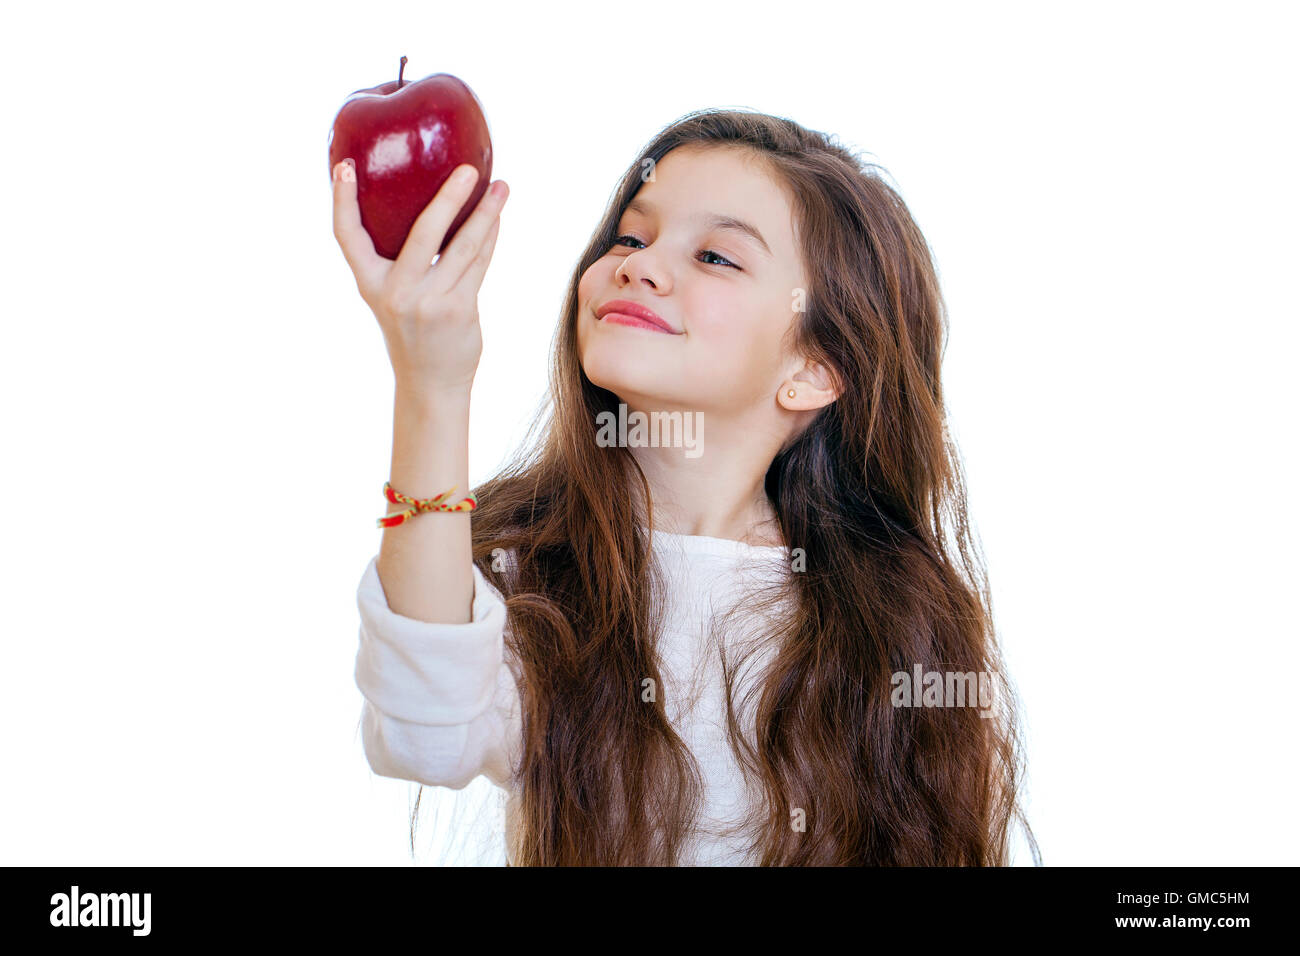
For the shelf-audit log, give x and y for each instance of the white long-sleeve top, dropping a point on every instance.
(441, 702)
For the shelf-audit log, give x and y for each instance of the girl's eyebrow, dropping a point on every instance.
(712, 221)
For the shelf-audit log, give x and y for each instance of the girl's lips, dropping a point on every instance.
(634, 310)
(620, 318)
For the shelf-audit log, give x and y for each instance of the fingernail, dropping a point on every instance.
(348, 174)
(466, 174)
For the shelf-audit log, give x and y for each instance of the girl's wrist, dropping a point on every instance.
(431, 397)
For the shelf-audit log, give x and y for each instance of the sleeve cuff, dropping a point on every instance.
(423, 673)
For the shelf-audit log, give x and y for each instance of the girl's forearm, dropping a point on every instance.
(425, 563)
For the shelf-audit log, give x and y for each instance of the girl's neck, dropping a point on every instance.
(763, 532)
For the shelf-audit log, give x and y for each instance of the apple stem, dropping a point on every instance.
(400, 67)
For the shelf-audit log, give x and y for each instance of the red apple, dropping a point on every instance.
(405, 139)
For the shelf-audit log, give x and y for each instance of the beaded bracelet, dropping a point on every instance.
(419, 505)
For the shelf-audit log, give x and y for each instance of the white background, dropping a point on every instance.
(197, 403)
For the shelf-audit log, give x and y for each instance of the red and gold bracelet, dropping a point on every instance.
(418, 505)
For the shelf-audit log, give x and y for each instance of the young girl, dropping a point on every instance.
(714, 641)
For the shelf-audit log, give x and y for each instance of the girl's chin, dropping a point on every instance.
(629, 366)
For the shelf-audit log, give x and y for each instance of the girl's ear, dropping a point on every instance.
(810, 388)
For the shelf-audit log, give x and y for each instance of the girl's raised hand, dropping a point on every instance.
(427, 312)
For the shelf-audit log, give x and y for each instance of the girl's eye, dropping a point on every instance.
(705, 252)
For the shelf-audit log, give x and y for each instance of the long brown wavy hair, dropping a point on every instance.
(870, 496)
